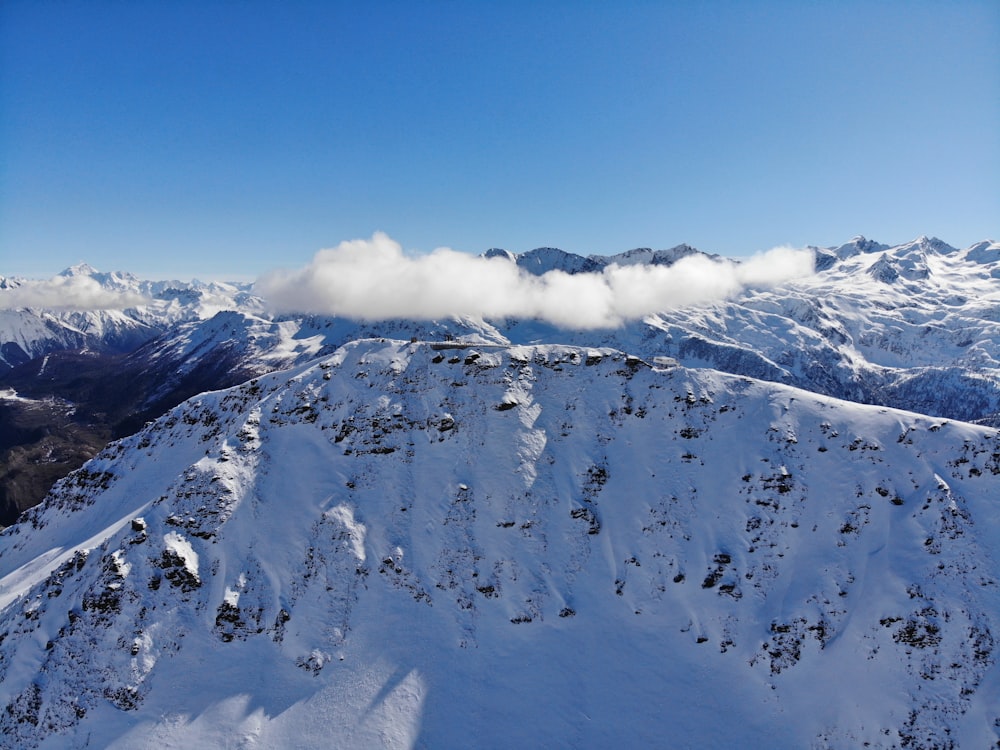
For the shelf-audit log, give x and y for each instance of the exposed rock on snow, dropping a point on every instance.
(625, 553)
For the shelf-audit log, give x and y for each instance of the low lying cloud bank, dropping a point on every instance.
(67, 293)
(374, 280)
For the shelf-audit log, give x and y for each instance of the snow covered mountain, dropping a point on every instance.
(70, 378)
(106, 312)
(915, 326)
(544, 259)
(411, 544)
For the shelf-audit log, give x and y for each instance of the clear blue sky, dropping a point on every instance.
(223, 138)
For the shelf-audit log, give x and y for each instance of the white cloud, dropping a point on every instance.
(67, 293)
(374, 280)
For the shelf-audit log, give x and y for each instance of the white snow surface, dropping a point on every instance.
(416, 545)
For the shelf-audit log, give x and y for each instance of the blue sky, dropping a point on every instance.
(219, 139)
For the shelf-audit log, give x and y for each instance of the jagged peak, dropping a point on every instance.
(648, 256)
(499, 252)
(543, 259)
(79, 269)
(546, 252)
(858, 244)
(929, 244)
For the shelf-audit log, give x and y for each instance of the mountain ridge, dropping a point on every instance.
(915, 326)
(552, 544)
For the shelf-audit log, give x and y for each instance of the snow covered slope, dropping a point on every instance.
(107, 312)
(407, 544)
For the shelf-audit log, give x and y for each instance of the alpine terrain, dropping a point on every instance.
(770, 521)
